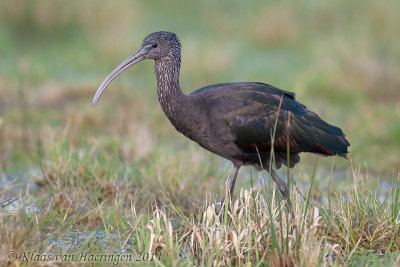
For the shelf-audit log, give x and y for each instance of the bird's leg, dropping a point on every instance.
(233, 181)
(282, 188)
(231, 187)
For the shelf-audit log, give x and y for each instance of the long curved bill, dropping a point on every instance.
(136, 57)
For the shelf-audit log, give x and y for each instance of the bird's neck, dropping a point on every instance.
(168, 89)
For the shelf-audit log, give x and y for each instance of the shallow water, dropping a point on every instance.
(71, 240)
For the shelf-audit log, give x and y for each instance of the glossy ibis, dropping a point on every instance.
(241, 122)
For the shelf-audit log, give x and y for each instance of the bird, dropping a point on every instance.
(248, 123)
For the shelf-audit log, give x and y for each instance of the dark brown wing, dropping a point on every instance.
(254, 124)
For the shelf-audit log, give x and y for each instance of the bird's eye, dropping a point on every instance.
(154, 45)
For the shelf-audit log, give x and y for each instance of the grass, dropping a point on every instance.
(118, 180)
(75, 196)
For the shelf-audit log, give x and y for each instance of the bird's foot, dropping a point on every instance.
(285, 193)
(289, 203)
(222, 210)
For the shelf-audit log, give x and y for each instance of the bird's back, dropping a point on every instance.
(242, 123)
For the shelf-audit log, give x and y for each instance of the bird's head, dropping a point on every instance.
(163, 44)
(157, 46)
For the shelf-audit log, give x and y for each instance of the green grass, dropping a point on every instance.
(119, 180)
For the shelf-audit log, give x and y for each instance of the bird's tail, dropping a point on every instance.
(330, 139)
